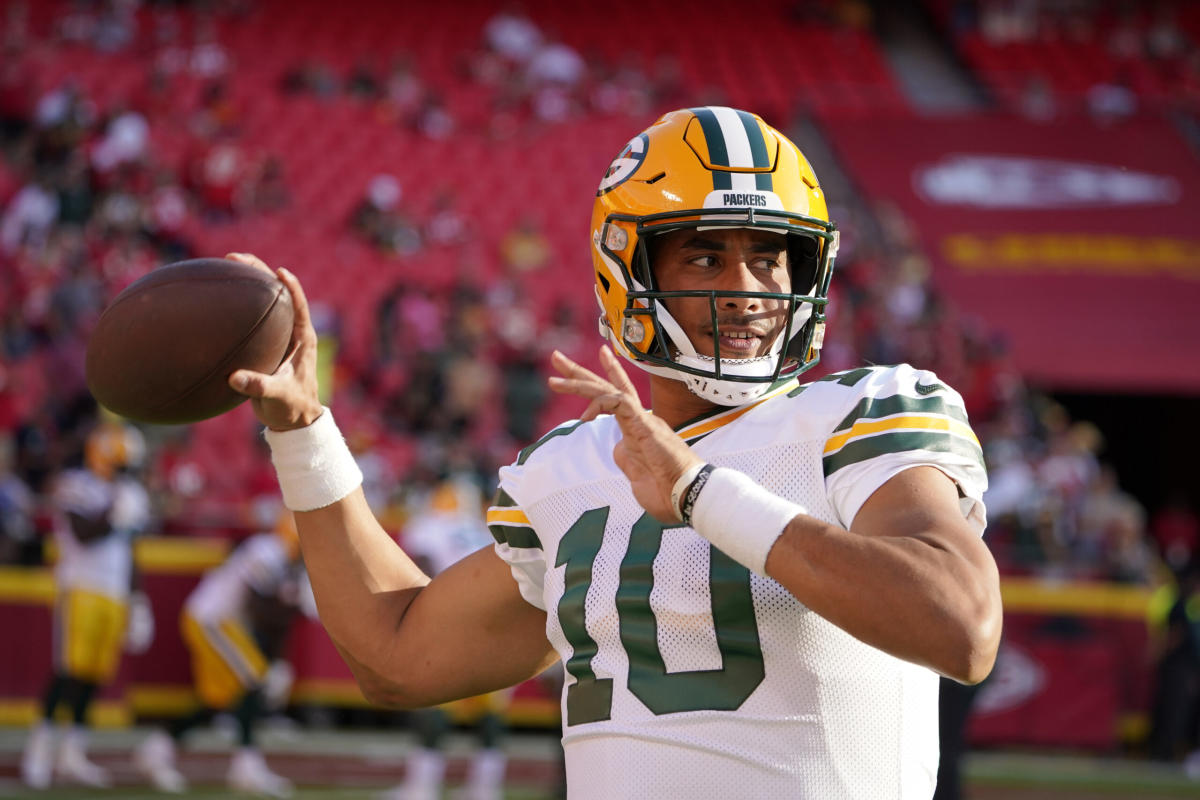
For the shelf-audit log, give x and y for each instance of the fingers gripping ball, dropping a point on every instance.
(163, 351)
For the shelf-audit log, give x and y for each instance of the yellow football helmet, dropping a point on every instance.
(709, 167)
(285, 530)
(113, 446)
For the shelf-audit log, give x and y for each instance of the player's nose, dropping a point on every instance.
(738, 277)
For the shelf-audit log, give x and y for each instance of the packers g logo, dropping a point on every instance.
(625, 164)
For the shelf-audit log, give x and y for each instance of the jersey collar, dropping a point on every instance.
(697, 428)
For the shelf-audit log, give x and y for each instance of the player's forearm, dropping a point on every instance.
(362, 581)
(909, 596)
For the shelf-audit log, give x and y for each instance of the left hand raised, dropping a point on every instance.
(650, 454)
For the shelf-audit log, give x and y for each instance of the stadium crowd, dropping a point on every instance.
(88, 206)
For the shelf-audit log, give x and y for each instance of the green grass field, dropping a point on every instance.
(357, 765)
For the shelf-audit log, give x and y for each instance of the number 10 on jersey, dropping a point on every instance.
(589, 699)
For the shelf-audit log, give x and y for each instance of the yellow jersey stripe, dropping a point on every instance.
(506, 515)
(868, 427)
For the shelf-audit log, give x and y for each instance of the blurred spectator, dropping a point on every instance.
(471, 381)
(217, 115)
(447, 227)
(1012, 485)
(166, 216)
(76, 198)
(512, 35)
(268, 190)
(29, 216)
(219, 178)
(1037, 101)
(1164, 38)
(125, 140)
(379, 219)
(434, 119)
(1175, 713)
(525, 248)
(1176, 531)
(115, 26)
(17, 540)
(209, 59)
(1070, 464)
(362, 83)
(555, 63)
(311, 77)
(553, 75)
(1128, 555)
(1112, 100)
(524, 395)
(402, 93)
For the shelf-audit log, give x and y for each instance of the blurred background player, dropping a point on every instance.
(233, 623)
(98, 508)
(446, 524)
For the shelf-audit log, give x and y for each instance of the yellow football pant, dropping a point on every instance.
(89, 628)
(470, 709)
(225, 660)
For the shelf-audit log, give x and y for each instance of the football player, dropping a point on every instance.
(447, 524)
(753, 584)
(98, 509)
(223, 627)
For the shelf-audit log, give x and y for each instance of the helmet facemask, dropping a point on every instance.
(668, 351)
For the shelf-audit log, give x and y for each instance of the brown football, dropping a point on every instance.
(163, 351)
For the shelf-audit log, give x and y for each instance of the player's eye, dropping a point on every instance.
(704, 261)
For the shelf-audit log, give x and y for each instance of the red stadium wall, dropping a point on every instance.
(1077, 240)
(1073, 670)
(158, 682)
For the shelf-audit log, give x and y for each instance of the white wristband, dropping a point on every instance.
(314, 466)
(741, 518)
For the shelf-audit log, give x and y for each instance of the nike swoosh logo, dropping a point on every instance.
(930, 389)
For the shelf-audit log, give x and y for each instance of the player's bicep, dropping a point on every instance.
(922, 502)
(470, 631)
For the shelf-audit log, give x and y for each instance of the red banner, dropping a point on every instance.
(1081, 243)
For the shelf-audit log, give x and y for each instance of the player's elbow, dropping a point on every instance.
(391, 691)
(384, 694)
(381, 686)
(976, 638)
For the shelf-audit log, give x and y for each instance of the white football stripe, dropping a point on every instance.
(743, 182)
(737, 143)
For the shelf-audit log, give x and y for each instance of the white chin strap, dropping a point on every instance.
(725, 392)
(720, 390)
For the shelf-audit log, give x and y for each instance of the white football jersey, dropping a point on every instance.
(104, 564)
(260, 563)
(687, 675)
(444, 537)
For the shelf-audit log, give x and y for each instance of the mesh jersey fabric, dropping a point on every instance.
(689, 677)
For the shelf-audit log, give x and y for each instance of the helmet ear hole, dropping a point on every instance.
(644, 257)
(804, 258)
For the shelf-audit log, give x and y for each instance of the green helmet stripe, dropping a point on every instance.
(718, 154)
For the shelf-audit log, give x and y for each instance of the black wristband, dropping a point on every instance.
(693, 492)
